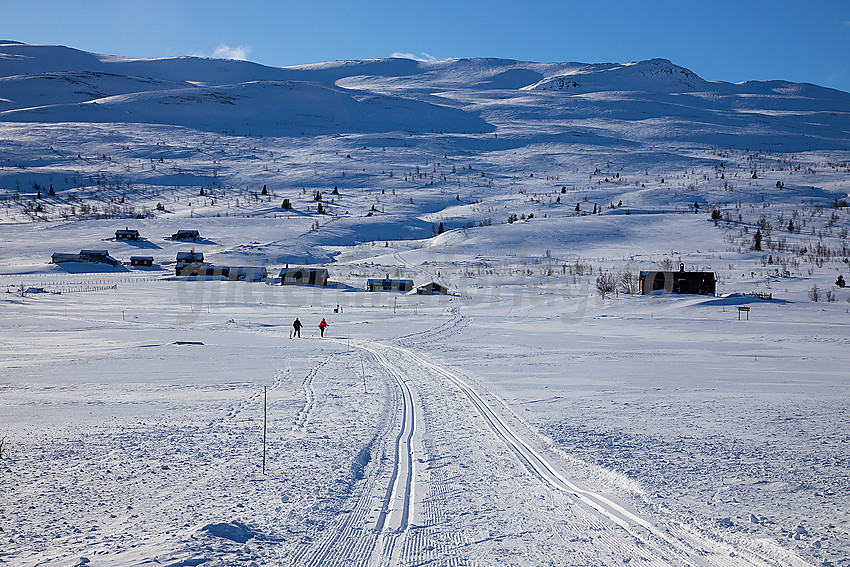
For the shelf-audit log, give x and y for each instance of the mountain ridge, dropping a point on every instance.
(55, 84)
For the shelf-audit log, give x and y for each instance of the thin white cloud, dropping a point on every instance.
(224, 51)
(420, 57)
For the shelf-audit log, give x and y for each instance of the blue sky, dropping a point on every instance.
(718, 40)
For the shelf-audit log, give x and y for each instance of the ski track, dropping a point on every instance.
(451, 327)
(397, 506)
(303, 416)
(251, 401)
(359, 536)
(370, 530)
(664, 545)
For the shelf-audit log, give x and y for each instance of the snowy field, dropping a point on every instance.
(527, 418)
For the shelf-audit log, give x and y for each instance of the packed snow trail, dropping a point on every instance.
(396, 510)
(628, 532)
(372, 528)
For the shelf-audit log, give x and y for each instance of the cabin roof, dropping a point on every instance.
(396, 280)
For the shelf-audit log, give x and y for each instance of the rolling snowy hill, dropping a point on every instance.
(544, 412)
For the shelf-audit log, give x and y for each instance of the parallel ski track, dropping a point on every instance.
(394, 517)
(353, 541)
(662, 542)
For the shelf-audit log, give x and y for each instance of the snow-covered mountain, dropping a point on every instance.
(58, 84)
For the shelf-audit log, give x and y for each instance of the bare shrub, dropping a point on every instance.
(606, 283)
(629, 283)
(814, 293)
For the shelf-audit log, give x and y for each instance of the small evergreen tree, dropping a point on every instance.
(757, 240)
(441, 229)
(286, 204)
(840, 281)
(578, 207)
(265, 191)
(790, 225)
(320, 209)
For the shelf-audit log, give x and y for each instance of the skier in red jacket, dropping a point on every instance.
(322, 326)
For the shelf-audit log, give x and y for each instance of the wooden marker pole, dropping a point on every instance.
(363, 370)
(265, 417)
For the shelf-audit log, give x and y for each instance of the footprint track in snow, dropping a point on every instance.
(303, 417)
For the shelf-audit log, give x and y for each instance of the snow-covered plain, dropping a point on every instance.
(523, 420)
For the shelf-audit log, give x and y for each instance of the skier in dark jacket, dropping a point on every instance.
(322, 326)
(297, 326)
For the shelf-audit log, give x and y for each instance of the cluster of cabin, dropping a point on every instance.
(125, 234)
(403, 285)
(185, 235)
(192, 264)
(99, 257)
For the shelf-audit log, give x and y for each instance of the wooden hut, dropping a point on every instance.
(192, 257)
(127, 234)
(387, 284)
(143, 261)
(186, 235)
(247, 273)
(699, 283)
(432, 288)
(304, 276)
(98, 257)
(201, 269)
